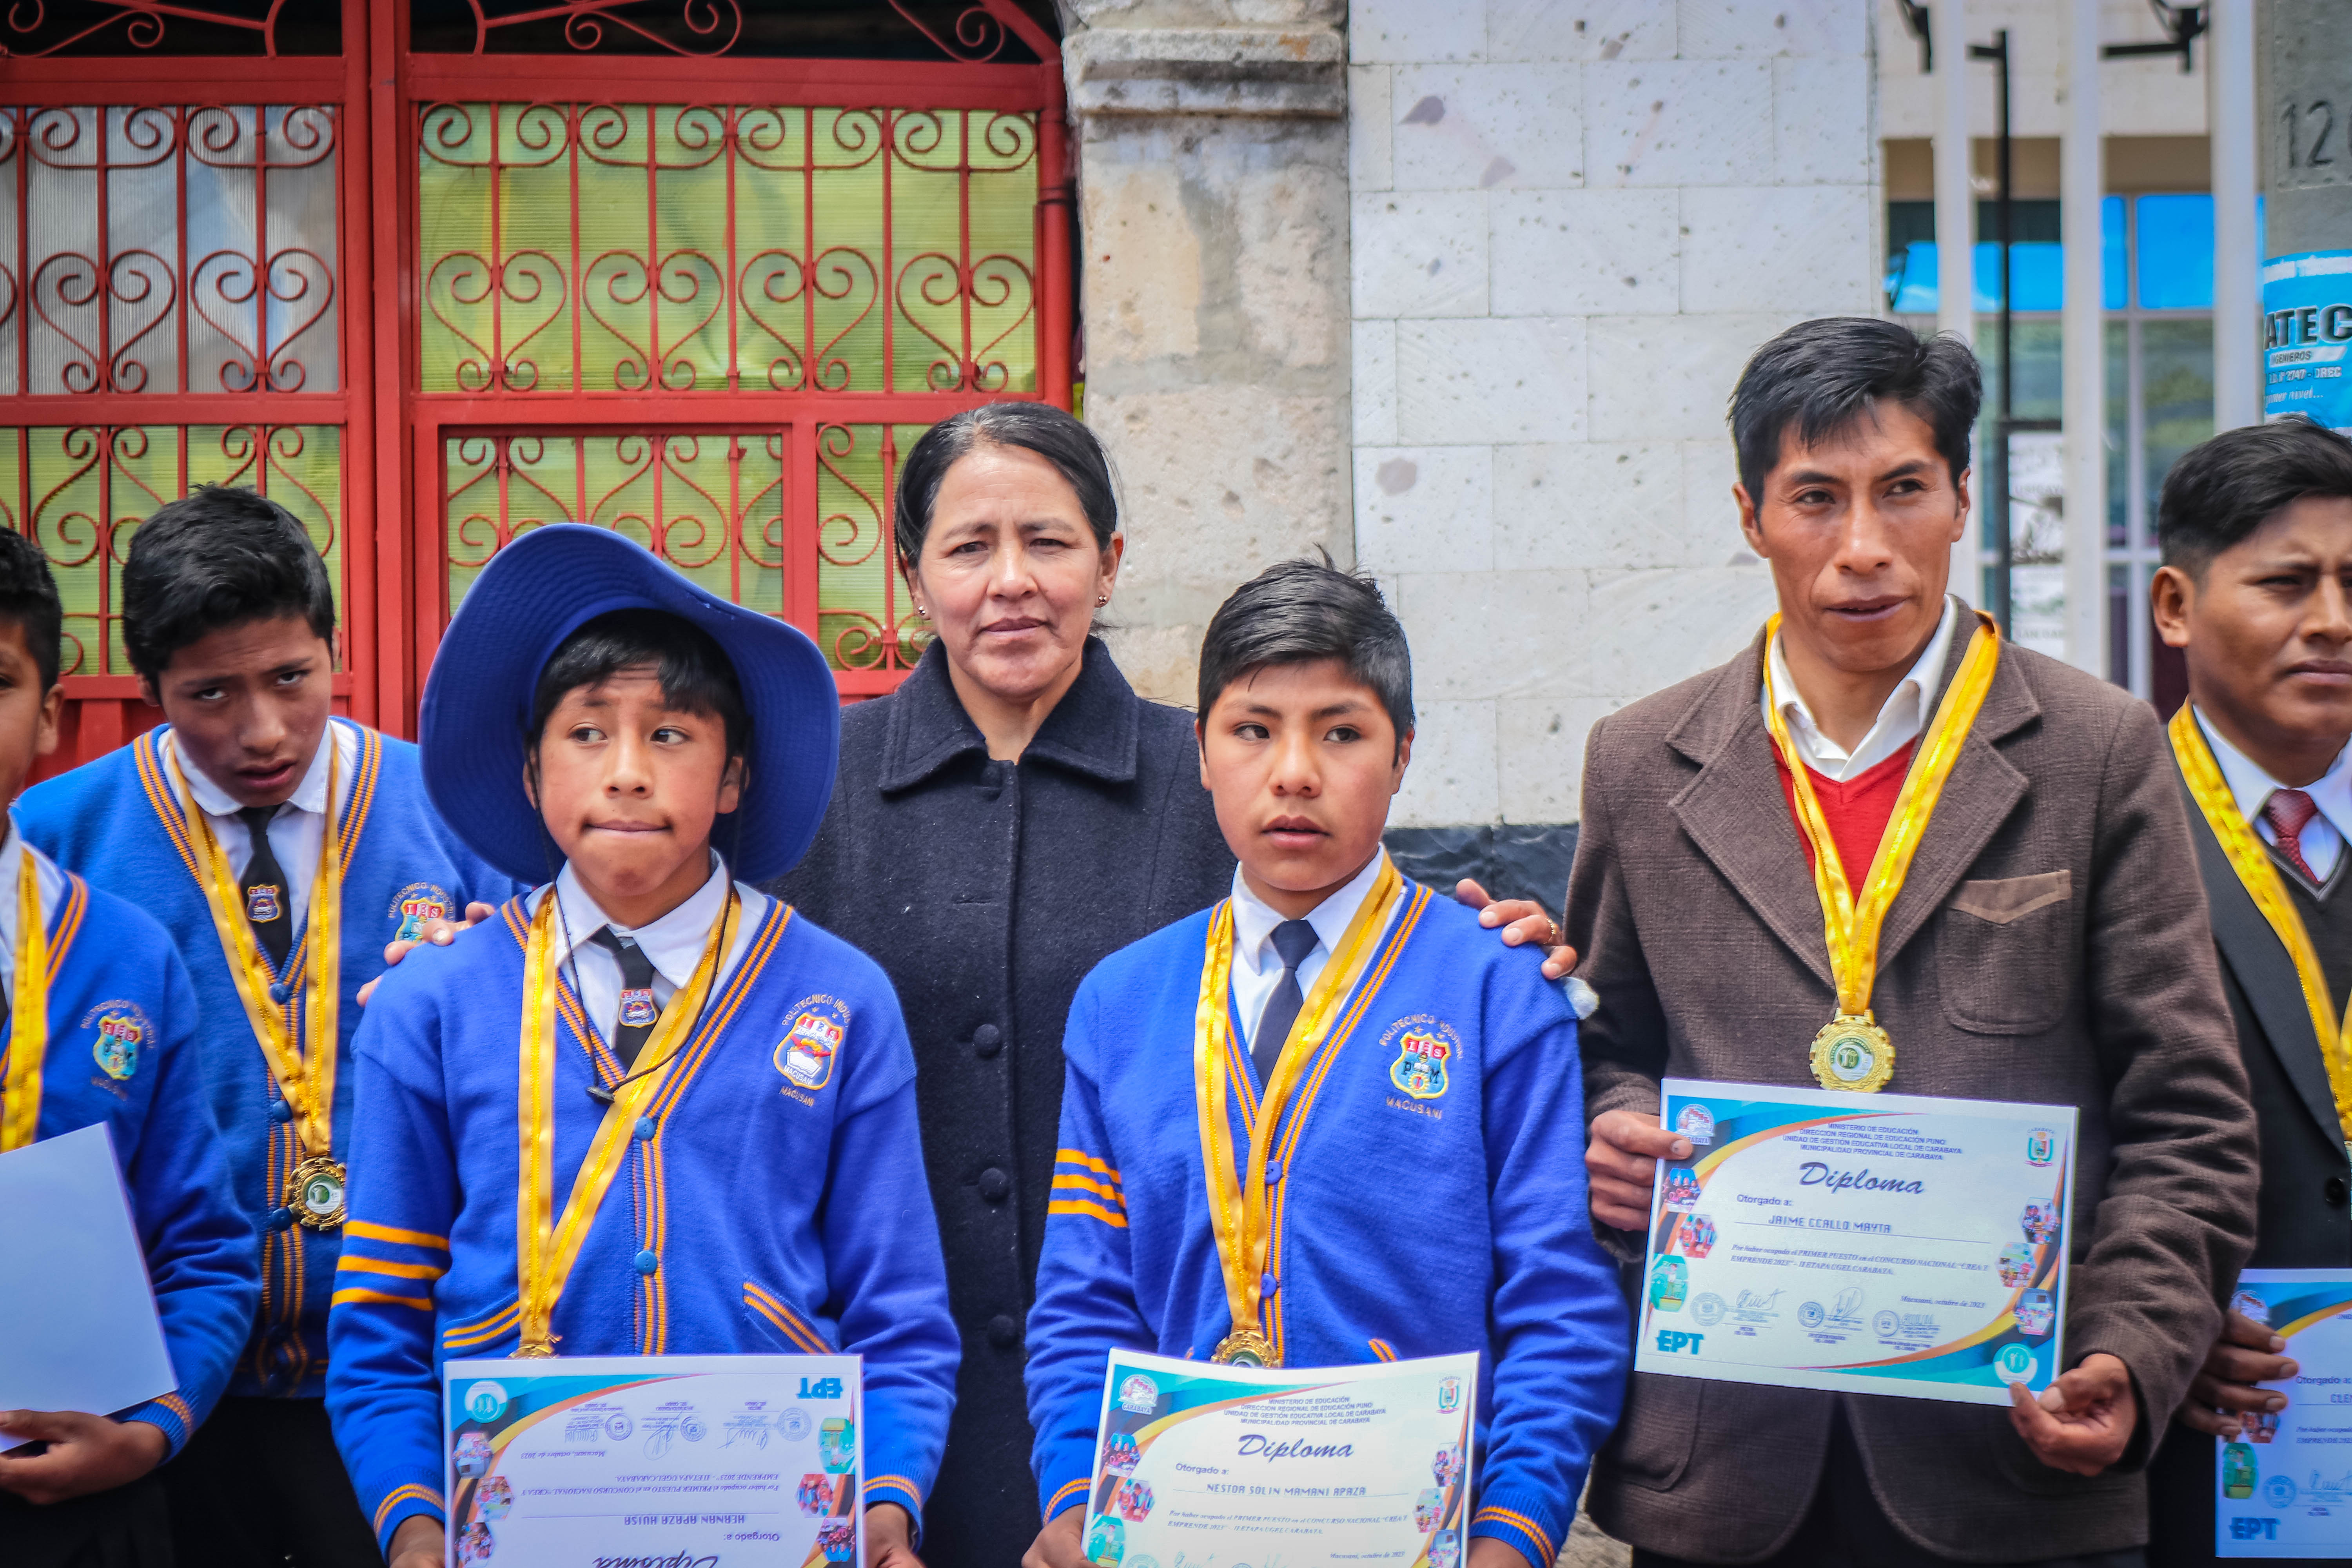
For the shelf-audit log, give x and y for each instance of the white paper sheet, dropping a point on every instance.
(78, 1324)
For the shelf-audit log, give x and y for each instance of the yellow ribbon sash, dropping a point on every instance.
(305, 1069)
(28, 1037)
(1854, 1052)
(1238, 1209)
(2261, 880)
(546, 1244)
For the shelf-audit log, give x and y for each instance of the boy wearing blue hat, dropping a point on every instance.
(101, 1030)
(591, 710)
(1234, 1080)
(282, 847)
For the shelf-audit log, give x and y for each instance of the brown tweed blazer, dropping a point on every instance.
(2051, 945)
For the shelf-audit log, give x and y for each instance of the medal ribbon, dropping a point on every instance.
(305, 1070)
(28, 1035)
(2261, 880)
(1853, 926)
(1238, 1211)
(546, 1246)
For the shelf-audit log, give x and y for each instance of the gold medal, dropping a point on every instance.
(315, 1192)
(2261, 880)
(1852, 1052)
(1240, 1214)
(304, 1067)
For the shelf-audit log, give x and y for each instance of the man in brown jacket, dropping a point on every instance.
(2048, 945)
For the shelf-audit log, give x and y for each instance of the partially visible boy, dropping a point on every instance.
(224, 823)
(1343, 974)
(2256, 591)
(745, 1074)
(102, 1029)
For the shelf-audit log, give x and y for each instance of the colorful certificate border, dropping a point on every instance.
(1975, 1367)
(537, 1390)
(1146, 1396)
(2291, 1299)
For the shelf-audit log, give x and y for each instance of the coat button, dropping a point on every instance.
(281, 1110)
(987, 1040)
(647, 1262)
(278, 993)
(2336, 1191)
(1002, 1332)
(994, 1184)
(281, 1219)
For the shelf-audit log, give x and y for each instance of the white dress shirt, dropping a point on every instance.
(297, 831)
(2323, 837)
(1900, 719)
(1257, 967)
(53, 889)
(674, 943)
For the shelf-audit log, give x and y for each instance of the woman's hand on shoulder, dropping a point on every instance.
(1522, 921)
(440, 933)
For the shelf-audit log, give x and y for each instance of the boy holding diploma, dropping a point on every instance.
(1330, 1120)
(645, 1109)
(101, 1029)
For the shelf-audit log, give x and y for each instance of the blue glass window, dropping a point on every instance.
(2176, 252)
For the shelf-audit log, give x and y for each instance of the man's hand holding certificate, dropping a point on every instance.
(1888, 1244)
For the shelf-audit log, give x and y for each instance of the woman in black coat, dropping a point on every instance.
(1010, 816)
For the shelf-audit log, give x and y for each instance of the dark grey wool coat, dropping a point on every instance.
(987, 890)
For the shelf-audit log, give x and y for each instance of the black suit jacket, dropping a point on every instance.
(2302, 1219)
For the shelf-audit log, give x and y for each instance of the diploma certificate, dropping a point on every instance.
(1200, 1463)
(750, 1461)
(2282, 1486)
(1865, 1244)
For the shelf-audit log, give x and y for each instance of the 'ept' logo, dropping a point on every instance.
(823, 1388)
(1670, 1340)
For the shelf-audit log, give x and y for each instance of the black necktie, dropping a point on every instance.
(263, 886)
(1293, 940)
(639, 1012)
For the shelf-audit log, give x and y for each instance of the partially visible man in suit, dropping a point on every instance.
(2256, 591)
(2049, 943)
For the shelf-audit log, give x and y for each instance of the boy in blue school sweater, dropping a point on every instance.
(743, 1077)
(226, 823)
(1417, 1084)
(101, 1029)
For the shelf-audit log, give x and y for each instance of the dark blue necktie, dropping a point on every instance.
(1293, 940)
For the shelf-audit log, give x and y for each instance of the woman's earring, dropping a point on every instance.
(1100, 600)
(921, 614)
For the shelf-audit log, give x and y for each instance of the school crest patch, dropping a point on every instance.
(1426, 1049)
(121, 1036)
(416, 906)
(262, 903)
(806, 1054)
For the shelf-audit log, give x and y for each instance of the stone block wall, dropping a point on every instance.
(1570, 224)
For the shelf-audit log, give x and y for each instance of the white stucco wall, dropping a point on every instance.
(1570, 225)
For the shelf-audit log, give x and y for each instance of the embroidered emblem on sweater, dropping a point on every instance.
(1426, 1048)
(262, 903)
(806, 1054)
(123, 1034)
(416, 906)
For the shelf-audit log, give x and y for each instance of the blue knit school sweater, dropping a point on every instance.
(125, 1051)
(770, 1204)
(117, 822)
(1427, 1203)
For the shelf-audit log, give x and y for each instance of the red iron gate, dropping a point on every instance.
(429, 298)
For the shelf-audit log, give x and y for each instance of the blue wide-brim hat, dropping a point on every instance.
(541, 588)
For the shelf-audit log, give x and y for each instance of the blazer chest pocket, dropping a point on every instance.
(2001, 953)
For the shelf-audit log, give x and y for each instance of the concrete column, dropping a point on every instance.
(2303, 46)
(2237, 289)
(2083, 397)
(1214, 213)
(1955, 271)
